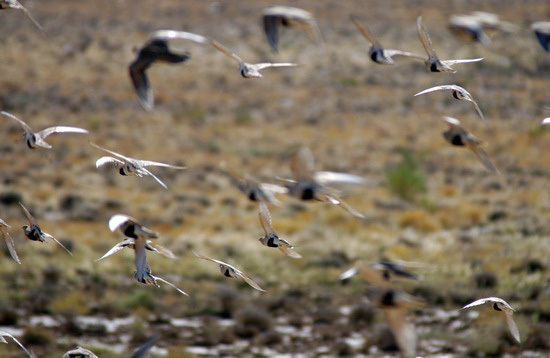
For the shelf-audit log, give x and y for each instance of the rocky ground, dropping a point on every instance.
(477, 234)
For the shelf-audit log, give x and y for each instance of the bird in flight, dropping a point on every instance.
(131, 166)
(8, 240)
(433, 63)
(155, 50)
(379, 54)
(14, 4)
(3, 340)
(33, 231)
(542, 32)
(230, 271)
(458, 93)
(271, 239)
(248, 70)
(500, 305)
(287, 16)
(34, 139)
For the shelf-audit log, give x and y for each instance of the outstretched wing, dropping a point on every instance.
(248, 280)
(483, 156)
(57, 242)
(25, 126)
(349, 273)
(170, 284)
(479, 302)
(213, 260)
(6, 334)
(154, 177)
(328, 178)
(117, 248)
(218, 46)
(439, 88)
(390, 53)
(159, 249)
(178, 35)
(425, 38)
(402, 330)
(111, 152)
(333, 199)
(60, 129)
(289, 252)
(141, 351)
(303, 165)
(145, 163)
(512, 325)
(261, 66)
(30, 218)
(9, 243)
(107, 160)
(467, 60)
(265, 219)
(366, 32)
(476, 106)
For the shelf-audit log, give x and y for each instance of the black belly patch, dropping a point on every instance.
(457, 140)
(130, 231)
(121, 171)
(433, 68)
(308, 194)
(271, 242)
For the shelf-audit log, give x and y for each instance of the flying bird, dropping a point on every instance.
(8, 240)
(458, 136)
(433, 63)
(80, 352)
(130, 166)
(14, 4)
(230, 271)
(458, 93)
(248, 70)
(138, 240)
(33, 232)
(3, 340)
(286, 16)
(34, 139)
(377, 53)
(308, 184)
(500, 305)
(156, 49)
(542, 32)
(381, 273)
(469, 28)
(271, 239)
(545, 121)
(396, 305)
(143, 350)
(492, 23)
(253, 189)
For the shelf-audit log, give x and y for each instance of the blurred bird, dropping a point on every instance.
(395, 305)
(287, 16)
(14, 4)
(308, 184)
(8, 240)
(457, 135)
(130, 166)
(491, 23)
(469, 28)
(156, 49)
(382, 273)
(458, 93)
(33, 232)
(433, 63)
(230, 271)
(542, 31)
(253, 189)
(143, 350)
(500, 305)
(248, 70)
(133, 231)
(34, 139)
(3, 340)
(377, 52)
(80, 352)
(271, 239)
(545, 121)
(146, 277)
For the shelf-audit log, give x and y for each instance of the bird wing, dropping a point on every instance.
(142, 350)
(265, 219)
(57, 242)
(111, 152)
(154, 177)
(9, 243)
(328, 178)
(30, 218)
(333, 199)
(213, 260)
(271, 30)
(160, 249)
(467, 60)
(6, 334)
(425, 38)
(453, 122)
(117, 248)
(24, 9)
(402, 330)
(106, 160)
(482, 155)
(225, 51)
(512, 325)
(118, 219)
(545, 121)
(390, 53)
(140, 81)
(349, 273)
(178, 35)
(366, 32)
(438, 88)
(302, 165)
(170, 284)
(274, 188)
(289, 252)
(60, 129)
(480, 302)
(248, 280)
(145, 163)
(25, 126)
(261, 66)
(476, 106)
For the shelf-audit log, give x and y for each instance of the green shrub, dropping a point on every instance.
(406, 180)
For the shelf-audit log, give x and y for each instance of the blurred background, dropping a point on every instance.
(477, 235)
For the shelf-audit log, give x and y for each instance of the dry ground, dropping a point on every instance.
(479, 235)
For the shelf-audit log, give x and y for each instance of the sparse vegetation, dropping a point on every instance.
(406, 179)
